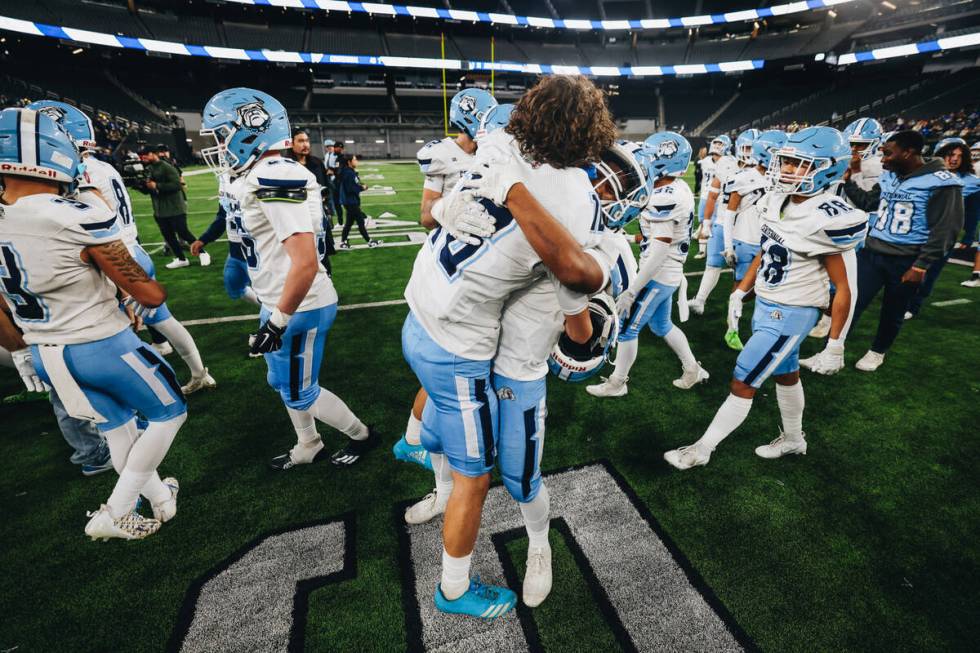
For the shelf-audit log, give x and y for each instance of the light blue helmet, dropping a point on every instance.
(768, 142)
(579, 366)
(744, 153)
(468, 108)
(975, 152)
(495, 118)
(245, 124)
(949, 141)
(663, 154)
(720, 145)
(620, 173)
(72, 119)
(822, 155)
(867, 132)
(32, 144)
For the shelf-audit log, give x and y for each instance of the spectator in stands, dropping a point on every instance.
(333, 169)
(300, 152)
(902, 246)
(169, 206)
(350, 197)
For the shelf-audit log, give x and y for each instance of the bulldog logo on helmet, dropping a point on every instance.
(467, 104)
(55, 113)
(667, 149)
(253, 116)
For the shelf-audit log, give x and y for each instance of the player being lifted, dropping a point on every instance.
(665, 232)
(61, 262)
(725, 166)
(281, 220)
(808, 236)
(457, 295)
(740, 225)
(443, 163)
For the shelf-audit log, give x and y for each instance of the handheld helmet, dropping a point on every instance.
(245, 124)
(768, 142)
(867, 132)
(495, 118)
(468, 108)
(663, 154)
(822, 156)
(720, 145)
(32, 144)
(568, 362)
(620, 174)
(744, 153)
(72, 119)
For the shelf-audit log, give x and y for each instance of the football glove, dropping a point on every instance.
(625, 301)
(269, 336)
(464, 218)
(729, 255)
(140, 311)
(24, 362)
(831, 359)
(735, 308)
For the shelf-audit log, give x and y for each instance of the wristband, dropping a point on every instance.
(279, 319)
(738, 294)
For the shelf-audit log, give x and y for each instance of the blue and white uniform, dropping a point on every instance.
(236, 270)
(81, 342)
(901, 217)
(792, 286)
(725, 168)
(443, 162)
(271, 212)
(741, 226)
(707, 165)
(457, 295)
(669, 214)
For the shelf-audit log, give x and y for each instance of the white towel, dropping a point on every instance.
(75, 401)
(683, 312)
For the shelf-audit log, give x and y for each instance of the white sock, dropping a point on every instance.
(791, 402)
(728, 418)
(250, 296)
(144, 456)
(182, 341)
(444, 478)
(536, 518)
(625, 357)
(120, 441)
(708, 282)
(304, 425)
(455, 575)
(677, 341)
(413, 430)
(332, 411)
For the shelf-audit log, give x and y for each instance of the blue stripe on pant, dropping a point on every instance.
(294, 370)
(652, 307)
(145, 262)
(744, 255)
(236, 272)
(121, 376)
(460, 417)
(522, 417)
(774, 348)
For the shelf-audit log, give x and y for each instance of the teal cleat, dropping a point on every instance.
(480, 601)
(412, 453)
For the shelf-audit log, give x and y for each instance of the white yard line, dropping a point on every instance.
(953, 302)
(255, 316)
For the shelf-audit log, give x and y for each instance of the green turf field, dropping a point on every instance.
(869, 542)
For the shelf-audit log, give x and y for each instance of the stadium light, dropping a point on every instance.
(820, 56)
(888, 5)
(349, 141)
(379, 141)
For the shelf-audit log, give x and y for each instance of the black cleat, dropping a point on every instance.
(285, 462)
(354, 449)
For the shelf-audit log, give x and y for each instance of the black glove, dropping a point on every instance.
(267, 340)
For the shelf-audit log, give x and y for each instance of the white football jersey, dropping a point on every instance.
(869, 175)
(726, 167)
(669, 214)
(795, 237)
(233, 210)
(56, 298)
(530, 325)
(750, 184)
(107, 180)
(707, 165)
(458, 291)
(270, 216)
(443, 163)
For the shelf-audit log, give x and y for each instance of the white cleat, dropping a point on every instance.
(808, 363)
(610, 387)
(909, 315)
(691, 378)
(972, 282)
(205, 259)
(870, 361)
(177, 263)
(163, 348)
(425, 510)
(537, 578)
(132, 526)
(781, 447)
(822, 330)
(196, 383)
(687, 457)
(167, 510)
(696, 305)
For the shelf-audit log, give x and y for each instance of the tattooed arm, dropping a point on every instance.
(115, 262)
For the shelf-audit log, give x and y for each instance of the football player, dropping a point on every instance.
(741, 221)
(665, 234)
(281, 220)
(443, 162)
(725, 166)
(102, 177)
(718, 148)
(975, 157)
(61, 261)
(807, 232)
(457, 293)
